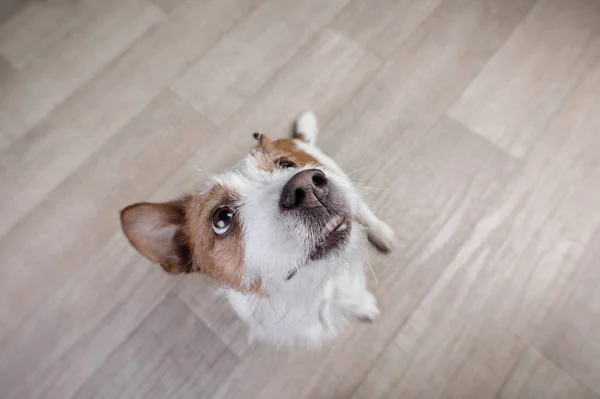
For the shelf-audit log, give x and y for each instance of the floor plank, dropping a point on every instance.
(537, 377)
(4, 142)
(441, 358)
(171, 352)
(34, 28)
(168, 6)
(430, 70)
(513, 98)
(7, 74)
(505, 276)
(236, 64)
(61, 345)
(8, 8)
(382, 25)
(215, 312)
(54, 75)
(571, 334)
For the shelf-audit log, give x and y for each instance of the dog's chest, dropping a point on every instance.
(306, 312)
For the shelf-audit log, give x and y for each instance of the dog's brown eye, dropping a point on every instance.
(221, 220)
(285, 163)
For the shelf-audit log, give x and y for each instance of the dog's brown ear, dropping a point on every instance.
(157, 232)
(263, 141)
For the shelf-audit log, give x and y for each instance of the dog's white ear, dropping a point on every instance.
(157, 232)
(306, 128)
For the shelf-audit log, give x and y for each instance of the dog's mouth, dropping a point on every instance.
(333, 236)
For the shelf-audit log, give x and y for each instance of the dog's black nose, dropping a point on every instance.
(305, 190)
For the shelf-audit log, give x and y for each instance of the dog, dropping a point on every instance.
(283, 233)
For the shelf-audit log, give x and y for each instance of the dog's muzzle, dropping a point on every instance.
(313, 200)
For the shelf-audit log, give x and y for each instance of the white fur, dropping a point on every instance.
(323, 295)
(307, 125)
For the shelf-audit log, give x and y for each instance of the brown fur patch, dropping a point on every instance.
(178, 235)
(287, 148)
(219, 257)
(299, 136)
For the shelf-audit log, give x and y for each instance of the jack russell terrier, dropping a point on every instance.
(283, 233)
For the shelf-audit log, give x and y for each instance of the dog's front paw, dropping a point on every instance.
(367, 311)
(382, 236)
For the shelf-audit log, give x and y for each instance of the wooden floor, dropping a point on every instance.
(474, 125)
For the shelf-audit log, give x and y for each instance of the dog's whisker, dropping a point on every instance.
(301, 281)
(373, 273)
(374, 189)
(285, 315)
(353, 172)
(274, 310)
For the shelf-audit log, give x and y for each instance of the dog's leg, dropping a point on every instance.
(352, 298)
(380, 234)
(362, 306)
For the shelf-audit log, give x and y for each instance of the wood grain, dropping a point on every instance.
(167, 356)
(427, 73)
(537, 377)
(512, 99)
(215, 312)
(58, 72)
(105, 315)
(236, 64)
(447, 360)
(37, 26)
(168, 6)
(8, 8)
(382, 25)
(571, 334)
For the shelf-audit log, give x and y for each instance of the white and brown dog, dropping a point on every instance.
(283, 232)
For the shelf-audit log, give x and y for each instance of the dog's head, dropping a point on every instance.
(251, 228)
